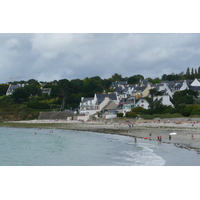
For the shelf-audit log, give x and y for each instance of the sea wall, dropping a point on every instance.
(56, 115)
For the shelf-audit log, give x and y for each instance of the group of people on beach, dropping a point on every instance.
(159, 138)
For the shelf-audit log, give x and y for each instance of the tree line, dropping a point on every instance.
(66, 94)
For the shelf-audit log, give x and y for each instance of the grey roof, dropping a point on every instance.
(158, 99)
(142, 88)
(143, 82)
(11, 88)
(101, 97)
(125, 90)
(118, 89)
(110, 106)
(195, 88)
(138, 99)
(176, 84)
(122, 82)
(117, 83)
(86, 99)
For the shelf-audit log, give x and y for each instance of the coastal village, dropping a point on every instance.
(127, 96)
(124, 97)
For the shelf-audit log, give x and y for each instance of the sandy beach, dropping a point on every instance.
(188, 130)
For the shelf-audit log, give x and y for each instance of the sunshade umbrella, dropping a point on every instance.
(173, 133)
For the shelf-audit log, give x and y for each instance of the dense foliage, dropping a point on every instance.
(66, 94)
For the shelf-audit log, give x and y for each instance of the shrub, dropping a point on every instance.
(38, 105)
(120, 114)
(162, 116)
(138, 110)
(131, 114)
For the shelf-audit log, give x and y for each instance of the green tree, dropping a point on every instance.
(3, 89)
(188, 71)
(135, 79)
(138, 110)
(92, 85)
(19, 95)
(171, 77)
(131, 114)
(116, 77)
(184, 97)
(188, 75)
(64, 88)
(106, 83)
(154, 92)
(198, 70)
(38, 105)
(77, 85)
(33, 90)
(155, 106)
(32, 82)
(164, 77)
(192, 71)
(154, 81)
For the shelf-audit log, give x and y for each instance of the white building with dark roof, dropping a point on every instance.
(90, 106)
(195, 83)
(11, 88)
(87, 106)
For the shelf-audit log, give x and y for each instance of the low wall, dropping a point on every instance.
(56, 115)
(83, 118)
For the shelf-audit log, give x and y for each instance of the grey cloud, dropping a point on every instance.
(54, 56)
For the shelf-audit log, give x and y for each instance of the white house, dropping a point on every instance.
(195, 83)
(90, 106)
(87, 106)
(108, 108)
(141, 102)
(165, 100)
(11, 88)
(184, 86)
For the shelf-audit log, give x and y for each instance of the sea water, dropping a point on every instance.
(56, 147)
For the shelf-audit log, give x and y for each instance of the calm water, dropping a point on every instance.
(22, 147)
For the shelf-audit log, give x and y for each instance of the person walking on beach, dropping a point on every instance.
(135, 139)
(170, 137)
(150, 136)
(160, 139)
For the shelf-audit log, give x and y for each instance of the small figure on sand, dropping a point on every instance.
(159, 138)
(170, 137)
(135, 139)
(150, 135)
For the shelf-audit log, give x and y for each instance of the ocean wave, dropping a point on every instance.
(142, 155)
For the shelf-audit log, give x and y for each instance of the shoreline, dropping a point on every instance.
(140, 129)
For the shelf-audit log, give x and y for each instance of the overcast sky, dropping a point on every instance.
(48, 57)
